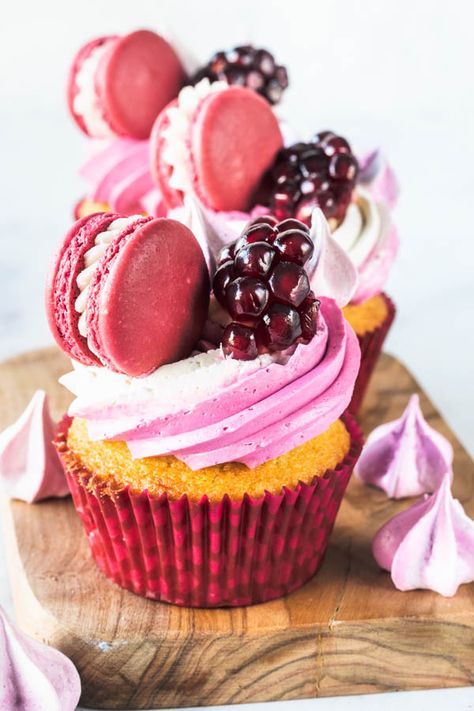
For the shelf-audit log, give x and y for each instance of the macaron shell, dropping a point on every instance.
(78, 60)
(160, 170)
(135, 80)
(234, 139)
(62, 290)
(149, 298)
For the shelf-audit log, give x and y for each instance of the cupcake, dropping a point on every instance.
(355, 199)
(207, 471)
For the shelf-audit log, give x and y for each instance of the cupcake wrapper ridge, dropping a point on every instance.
(371, 345)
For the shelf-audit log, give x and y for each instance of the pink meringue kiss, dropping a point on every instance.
(405, 457)
(430, 545)
(30, 468)
(33, 676)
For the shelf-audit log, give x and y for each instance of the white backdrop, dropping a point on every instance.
(398, 75)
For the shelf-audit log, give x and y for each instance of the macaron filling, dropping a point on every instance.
(176, 151)
(91, 262)
(86, 102)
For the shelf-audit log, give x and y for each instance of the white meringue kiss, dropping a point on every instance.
(30, 468)
(33, 676)
(405, 457)
(430, 545)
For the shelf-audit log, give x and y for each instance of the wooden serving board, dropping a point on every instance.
(348, 631)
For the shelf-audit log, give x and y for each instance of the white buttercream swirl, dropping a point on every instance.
(86, 102)
(91, 262)
(369, 238)
(176, 149)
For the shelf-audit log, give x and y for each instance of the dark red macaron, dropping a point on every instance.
(232, 138)
(119, 85)
(147, 298)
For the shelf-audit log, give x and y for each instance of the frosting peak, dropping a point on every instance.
(430, 545)
(30, 468)
(405, 457)
(33, 676)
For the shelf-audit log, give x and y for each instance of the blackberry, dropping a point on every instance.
(262, 283)
(247, 66)
(321, 173)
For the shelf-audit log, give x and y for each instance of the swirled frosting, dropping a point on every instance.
(370, 239)
(30, 468)
(405, 457)
(33, 676)
(118, 174)
(376, 174)
(248, 412)
(430, 545)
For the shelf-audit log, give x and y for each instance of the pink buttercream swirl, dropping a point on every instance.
(118, 173)
(252, 419)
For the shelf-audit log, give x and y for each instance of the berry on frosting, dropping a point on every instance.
(247, 66)
(262, 283)
(321, 173)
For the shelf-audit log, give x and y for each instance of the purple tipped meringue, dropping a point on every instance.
(430, 545)
(30, 468)
(33, 676)
(378, 177)
(405, 457)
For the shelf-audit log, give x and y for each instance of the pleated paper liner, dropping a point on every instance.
(209, 554)
(371, 345)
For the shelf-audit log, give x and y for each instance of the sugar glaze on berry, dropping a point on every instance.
(262, 283)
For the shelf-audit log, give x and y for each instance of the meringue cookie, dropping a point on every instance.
(30, 468)
(405, 457)
(378, 177)
(430, 545)
(33, 676)
(331, 271)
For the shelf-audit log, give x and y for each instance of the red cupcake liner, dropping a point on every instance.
(209, 554)
(370, 348)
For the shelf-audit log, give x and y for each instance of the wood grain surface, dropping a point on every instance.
(347, 631)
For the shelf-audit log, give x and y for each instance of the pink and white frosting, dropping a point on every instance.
(405, 457)
(208, 409)
(30, 468)
(430, 545)
(377, 176)
(33, 676)
(370, 239)
(86, 103)
(118, 174)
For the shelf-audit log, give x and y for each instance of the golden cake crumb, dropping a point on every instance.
(112, 463)
(368, 315)
(89, 207)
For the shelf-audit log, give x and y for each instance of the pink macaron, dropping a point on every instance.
(223, 146)
(119, 85)
(130, 294)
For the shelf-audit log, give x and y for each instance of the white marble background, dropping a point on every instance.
(399, 75)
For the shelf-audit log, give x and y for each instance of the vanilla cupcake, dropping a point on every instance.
(215, 479)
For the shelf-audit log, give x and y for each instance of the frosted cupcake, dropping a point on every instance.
(355, 199)
(214, 477)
